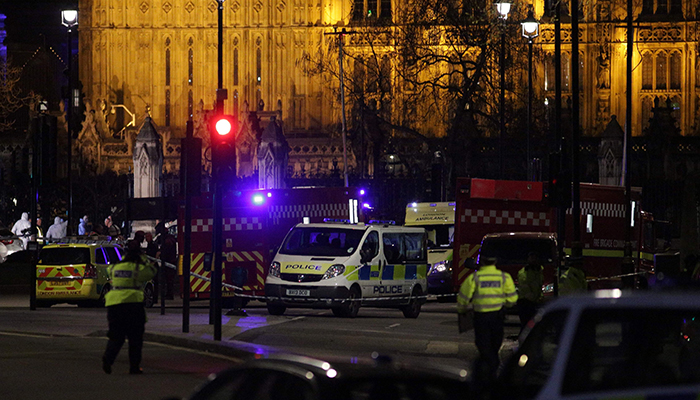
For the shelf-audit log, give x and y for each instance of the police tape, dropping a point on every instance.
(615, 277)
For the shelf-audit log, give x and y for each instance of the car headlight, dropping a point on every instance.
(439, 267)
(274, 269)
(333, 271)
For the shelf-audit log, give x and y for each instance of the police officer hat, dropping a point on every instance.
(487, 260)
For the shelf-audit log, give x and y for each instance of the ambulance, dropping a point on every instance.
(438, 219)
(344, 266)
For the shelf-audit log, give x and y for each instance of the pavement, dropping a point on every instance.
(65, 320)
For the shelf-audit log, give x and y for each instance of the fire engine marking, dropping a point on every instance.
(601, 209)
(505, 217)
(337, 210)
(229, 224)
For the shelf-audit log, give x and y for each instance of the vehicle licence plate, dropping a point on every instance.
(298, 292)
(59, 283)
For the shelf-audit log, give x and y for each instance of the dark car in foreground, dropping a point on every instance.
(279, 377)
(609, 344)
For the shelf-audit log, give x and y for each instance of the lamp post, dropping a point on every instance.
(531, 29)
(503, 8)
(69, 19)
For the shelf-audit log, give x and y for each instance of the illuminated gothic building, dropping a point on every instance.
(163, 54)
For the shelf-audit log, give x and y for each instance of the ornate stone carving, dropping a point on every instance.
(167, 7)
(189, 7)
(660, 34)
(144, 7)
(213, 6)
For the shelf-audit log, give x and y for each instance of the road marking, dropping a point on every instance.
(442, 348)
(392, 326)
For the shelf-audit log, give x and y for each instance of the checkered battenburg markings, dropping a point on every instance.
(601, 209)
(230, 224)
(505, 217)
(298, 211)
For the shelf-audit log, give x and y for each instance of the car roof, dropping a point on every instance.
(82, 245)
(522, 235)
(616, 298)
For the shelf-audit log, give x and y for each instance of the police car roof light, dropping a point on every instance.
(381, 221)
(345, 221)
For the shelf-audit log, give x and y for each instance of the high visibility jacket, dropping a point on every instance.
(488, 289)
(572, 280)
(530, 284)
(127, 281)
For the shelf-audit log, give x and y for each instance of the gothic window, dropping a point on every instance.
(549, 72)
(661, 63)
(386, 75)
(167, 107)
(190, 104)
(235, 103)
(358, 76)
(374, 75)
(647, 104)
(662, 7)
(371, 10)
(675, 70)
(647, 71)
(167, 82)
(258, 66)
(235, 67)
(565, 72)
(190, 62)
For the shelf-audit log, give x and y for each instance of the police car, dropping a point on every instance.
(343, 266)
(609, 344)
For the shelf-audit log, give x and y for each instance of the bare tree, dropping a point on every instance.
(427, 77)
(11, 97)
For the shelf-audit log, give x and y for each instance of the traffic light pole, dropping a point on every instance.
(217, 245)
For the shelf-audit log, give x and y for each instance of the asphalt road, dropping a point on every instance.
(34, 367)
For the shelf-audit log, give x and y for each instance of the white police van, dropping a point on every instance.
(342, 266)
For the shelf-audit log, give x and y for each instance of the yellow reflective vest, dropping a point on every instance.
(488, 289)
(127, 279)
(573, 280)
(530, 284)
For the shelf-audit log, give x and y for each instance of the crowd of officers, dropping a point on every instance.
(489, 291)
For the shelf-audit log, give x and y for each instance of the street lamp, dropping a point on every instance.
(531, 29)
(503, 8)
(69, 19)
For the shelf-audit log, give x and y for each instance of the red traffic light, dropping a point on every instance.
(223, 125)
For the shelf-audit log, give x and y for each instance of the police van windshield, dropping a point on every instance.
(321, 241)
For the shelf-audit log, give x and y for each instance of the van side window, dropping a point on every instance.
(404, 247)
(112, 255)
(370, 246)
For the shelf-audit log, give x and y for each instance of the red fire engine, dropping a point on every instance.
(254, 224)
(509, 219)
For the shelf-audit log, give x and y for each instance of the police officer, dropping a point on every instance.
(125, 311)
(530, 279)
(488, 290)
(573, 280)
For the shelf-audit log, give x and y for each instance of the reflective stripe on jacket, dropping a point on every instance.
(530, 284)
(572, 280)
(488, 289)
(127, 281)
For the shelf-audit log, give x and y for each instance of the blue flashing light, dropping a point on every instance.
(258, 199)
(452, 204)
(433, 204)
(381, 221)
(362, 192)
(414, 204)
(345, 221)
(366, 205)
(269, 194)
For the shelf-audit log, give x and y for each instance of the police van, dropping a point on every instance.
(343, 266)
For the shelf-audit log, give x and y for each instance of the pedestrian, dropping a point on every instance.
(151, 246)
(22, 227)
(168, 254)
(84, 227)
(573, 280)
(57, 230)
(111, 229)
(530, 296)
(488, 290)
(126, 314)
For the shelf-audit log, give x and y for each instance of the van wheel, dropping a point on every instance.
(148, 296)
(412, 310)
(273, 309)
(351, 306)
